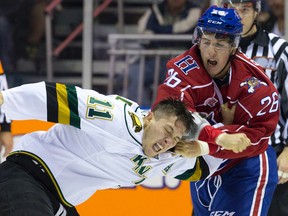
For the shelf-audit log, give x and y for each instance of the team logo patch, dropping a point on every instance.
(136, 123)
(252, 83)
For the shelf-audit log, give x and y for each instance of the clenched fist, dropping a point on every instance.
(235, 142)
(190, 149)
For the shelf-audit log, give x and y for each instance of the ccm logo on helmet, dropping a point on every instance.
(215, 22)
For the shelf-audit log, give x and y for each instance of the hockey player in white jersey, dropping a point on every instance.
(99, 142)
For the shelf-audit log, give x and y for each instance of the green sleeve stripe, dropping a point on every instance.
(186, 175)
(204, 167)
(73, 105)
(200, 171)
(62, 104)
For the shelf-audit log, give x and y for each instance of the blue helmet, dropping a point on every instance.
(224, 22)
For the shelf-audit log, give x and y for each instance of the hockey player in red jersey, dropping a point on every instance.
(214, 74)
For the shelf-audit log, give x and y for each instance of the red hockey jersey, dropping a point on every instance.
(257, 109)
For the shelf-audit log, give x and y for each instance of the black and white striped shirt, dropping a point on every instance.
(271, 52)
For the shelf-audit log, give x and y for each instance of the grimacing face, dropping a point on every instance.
(248, 15)
(161, 134)
(215, 54)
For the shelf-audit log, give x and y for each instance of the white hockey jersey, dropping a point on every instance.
(97, 141)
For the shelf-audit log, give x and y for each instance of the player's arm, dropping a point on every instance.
(202, 130)
(264, 114)
(51, 102)
(59, 103)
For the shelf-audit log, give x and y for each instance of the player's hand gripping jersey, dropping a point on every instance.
(254, 94)
(97, 143)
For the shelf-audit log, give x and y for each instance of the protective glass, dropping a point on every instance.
(224, 41)
(217, 44)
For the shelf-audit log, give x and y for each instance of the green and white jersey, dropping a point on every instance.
(96, 143)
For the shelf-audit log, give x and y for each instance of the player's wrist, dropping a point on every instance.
(219, 139)
(204, 148)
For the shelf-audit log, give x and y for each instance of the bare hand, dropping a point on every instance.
(282, 162)
(6, 140)
(236, 142)
(227, 113)
(191, 148)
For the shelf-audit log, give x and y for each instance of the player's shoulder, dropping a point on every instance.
(242, 61)
(180, 56)
(244, 67)
(249, 73)
(187, 61)
(189, 67)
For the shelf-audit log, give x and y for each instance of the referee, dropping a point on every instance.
(271, 52)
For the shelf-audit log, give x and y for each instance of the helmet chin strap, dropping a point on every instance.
(250, 29)
(223, 69)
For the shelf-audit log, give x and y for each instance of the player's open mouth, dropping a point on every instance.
(212, 62)
(157, 147)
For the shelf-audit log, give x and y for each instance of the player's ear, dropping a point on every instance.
(150, 116)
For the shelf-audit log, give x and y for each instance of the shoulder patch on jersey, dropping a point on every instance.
(136, 123)
(252, 83)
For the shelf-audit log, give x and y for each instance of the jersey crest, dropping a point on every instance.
(136, 123)
(140, 169)
(252, 83)
(186, 64)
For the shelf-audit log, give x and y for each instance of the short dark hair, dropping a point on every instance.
(172, 106)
